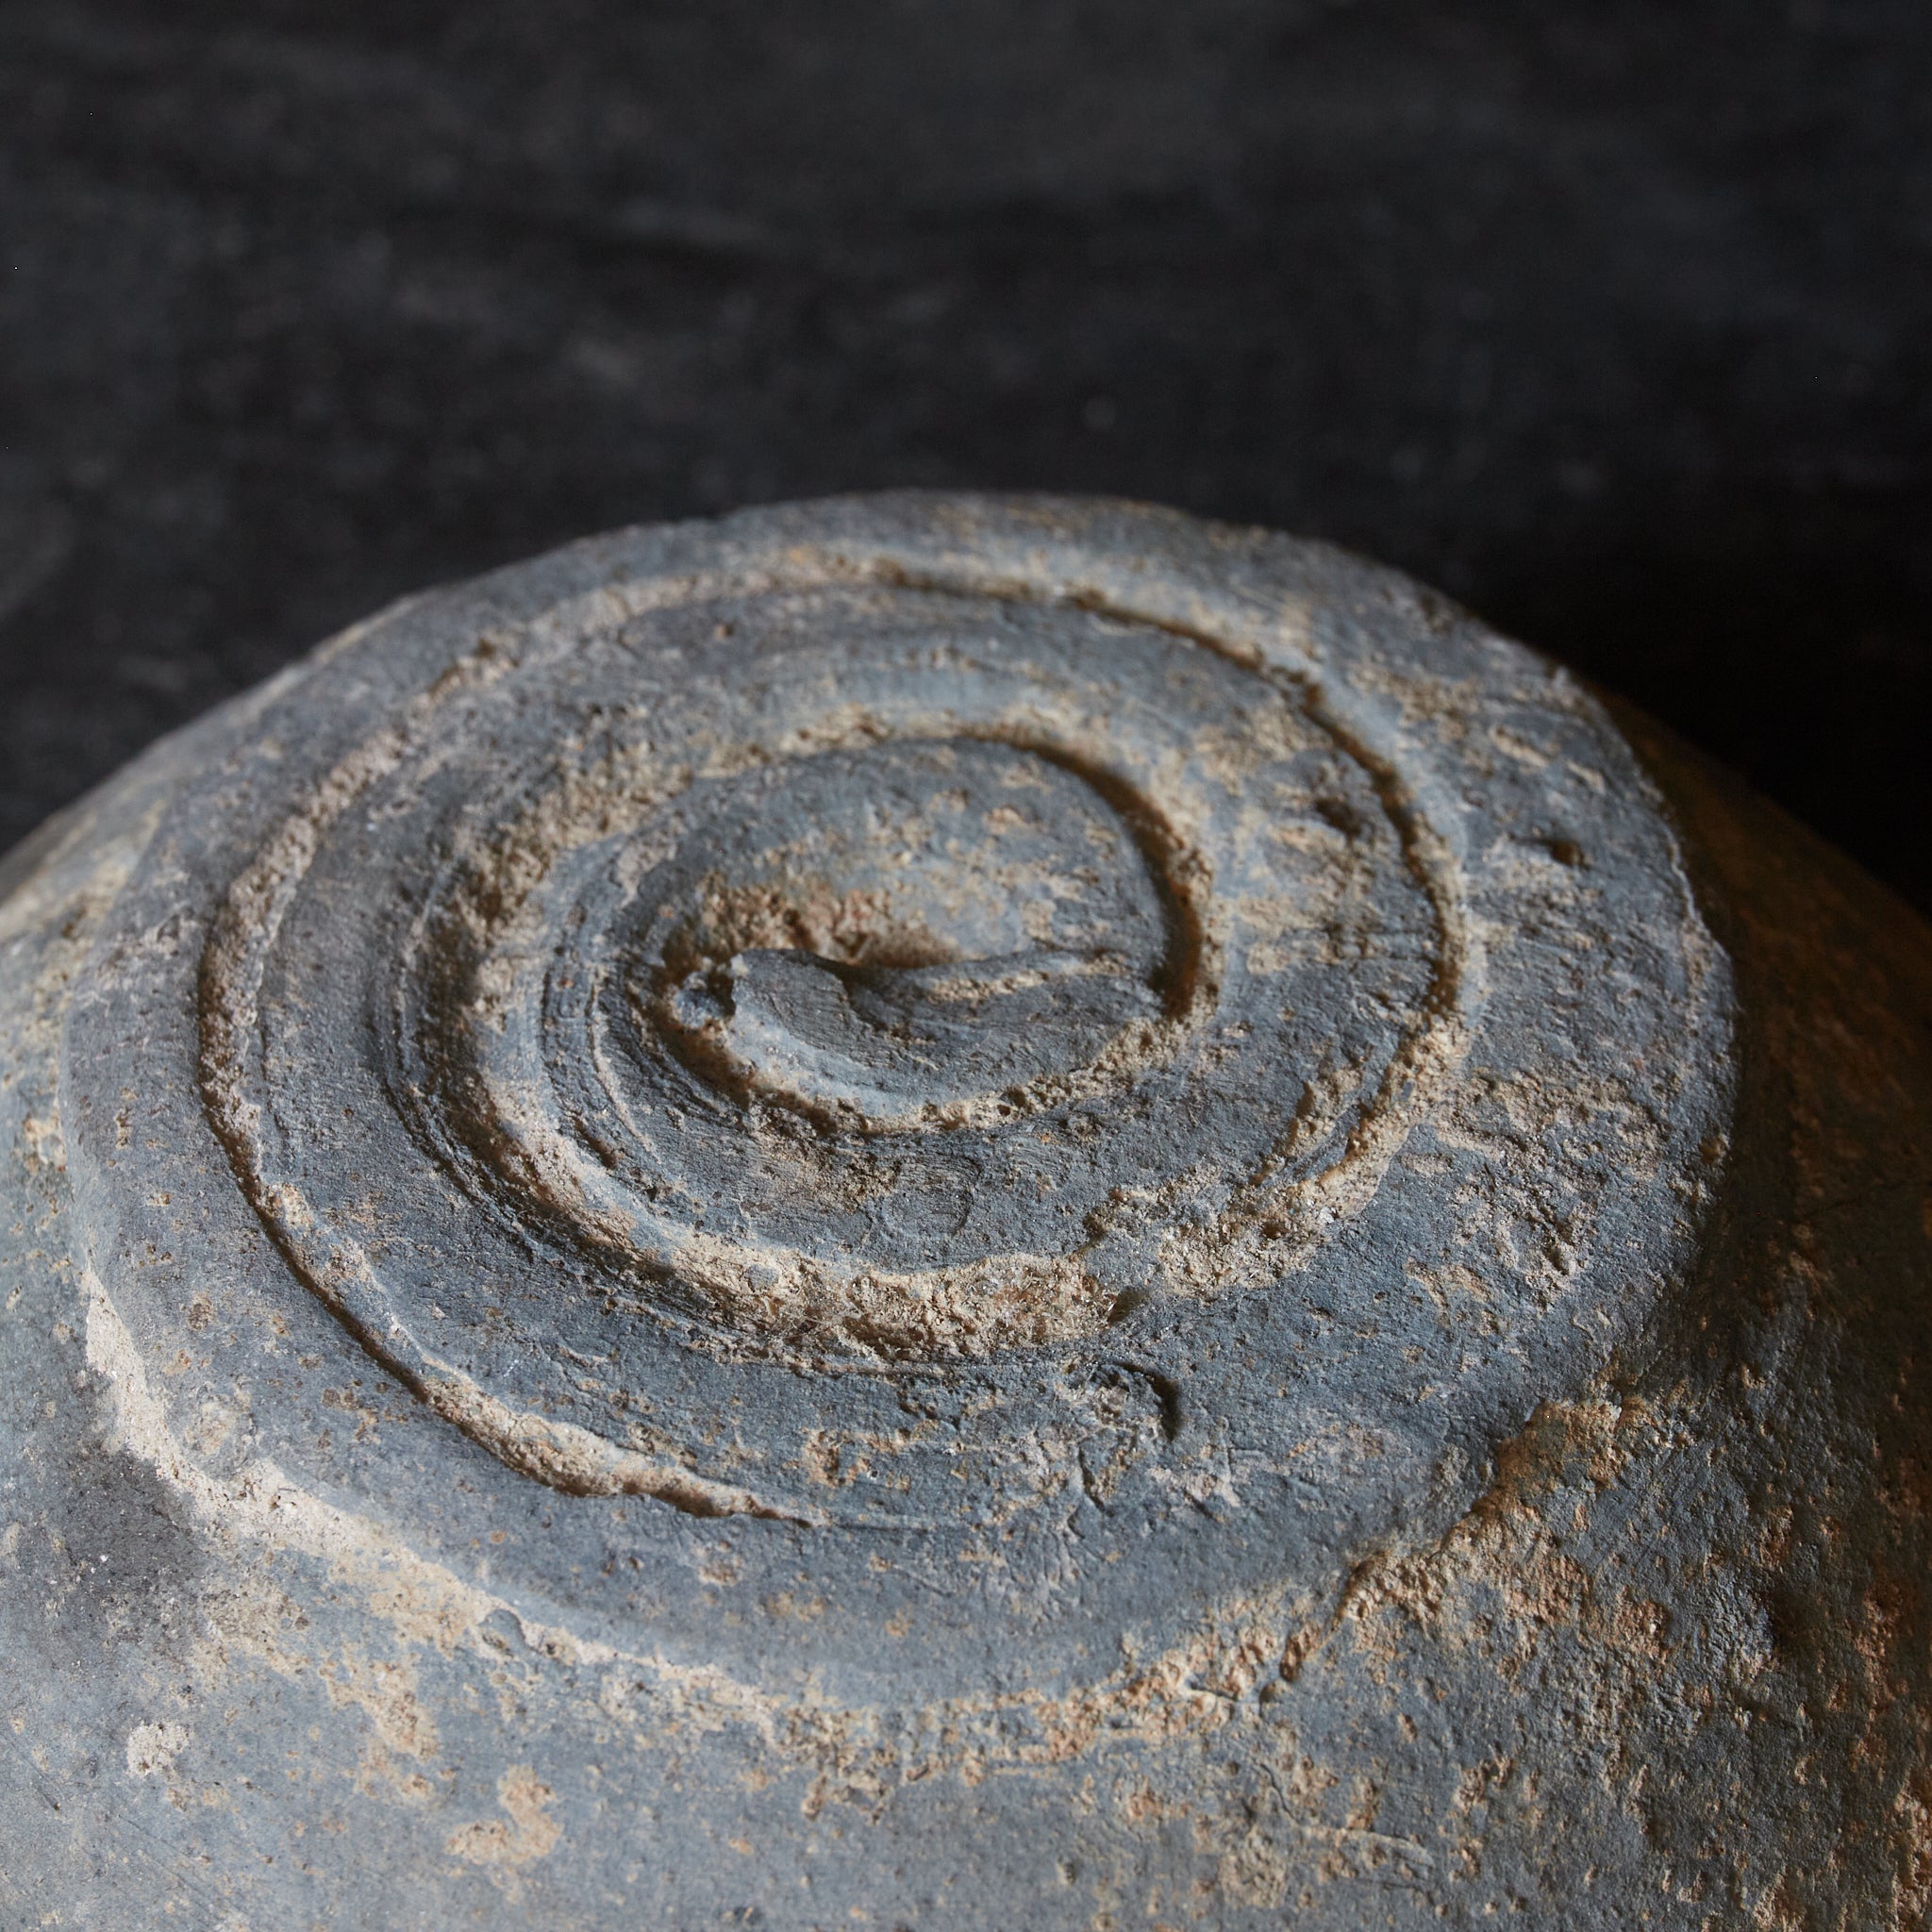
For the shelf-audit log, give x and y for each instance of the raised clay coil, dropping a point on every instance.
(945, 1211)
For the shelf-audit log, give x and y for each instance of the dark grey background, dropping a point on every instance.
(1614, 320)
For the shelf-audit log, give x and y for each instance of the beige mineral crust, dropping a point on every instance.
(957, 1212)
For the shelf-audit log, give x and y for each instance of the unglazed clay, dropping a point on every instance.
(938, 1212)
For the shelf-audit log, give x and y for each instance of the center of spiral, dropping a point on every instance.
(888, 932)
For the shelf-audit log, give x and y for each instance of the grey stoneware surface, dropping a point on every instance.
(947, 1211)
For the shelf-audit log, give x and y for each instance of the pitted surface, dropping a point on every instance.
(958, 1201)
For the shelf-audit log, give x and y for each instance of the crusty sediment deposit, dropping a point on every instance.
(943, 1211)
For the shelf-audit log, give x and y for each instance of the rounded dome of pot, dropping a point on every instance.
(957, 1211)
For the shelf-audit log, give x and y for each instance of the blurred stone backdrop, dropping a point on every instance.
(1613, 320)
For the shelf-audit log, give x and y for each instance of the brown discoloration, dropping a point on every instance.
(1443, 1453)
(527, 1833)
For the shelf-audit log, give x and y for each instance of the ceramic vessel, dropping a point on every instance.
(943, 1211)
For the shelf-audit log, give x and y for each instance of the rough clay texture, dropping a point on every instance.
(957, 1212)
